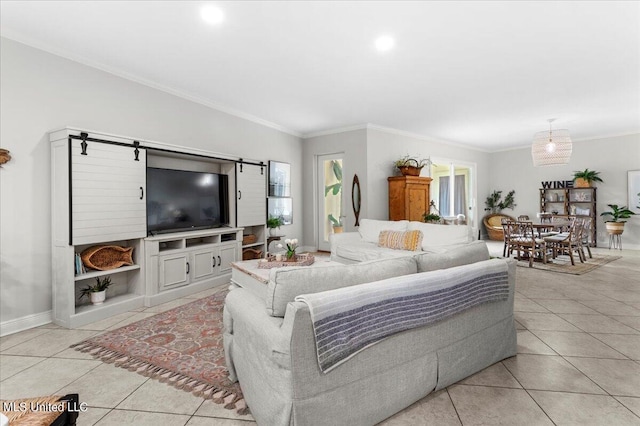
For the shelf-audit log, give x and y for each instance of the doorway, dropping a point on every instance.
(330, 197)
(453, 189)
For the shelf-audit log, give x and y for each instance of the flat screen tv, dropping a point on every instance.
(180, 200)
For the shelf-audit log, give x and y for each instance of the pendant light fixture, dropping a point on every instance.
(551, 148)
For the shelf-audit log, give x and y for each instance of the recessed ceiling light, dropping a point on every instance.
(384, 43)
(212, 14)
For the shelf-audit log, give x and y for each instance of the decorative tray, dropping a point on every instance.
(304, 259)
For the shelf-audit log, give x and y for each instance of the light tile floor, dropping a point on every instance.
(578, 363)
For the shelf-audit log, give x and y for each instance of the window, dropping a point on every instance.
(451, 188)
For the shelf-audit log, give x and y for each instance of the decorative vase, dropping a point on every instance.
(338, 229)
(98, 297)
(410, 170)
(272, 232)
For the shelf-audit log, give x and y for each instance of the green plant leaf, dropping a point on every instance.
(337, 170)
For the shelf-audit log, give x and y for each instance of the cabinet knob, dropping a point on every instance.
(219, 261)
(214, 261)
(187, 268)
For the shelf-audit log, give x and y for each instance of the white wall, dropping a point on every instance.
(612, 157)
(40, 92)
(354, 146)
(384, 147)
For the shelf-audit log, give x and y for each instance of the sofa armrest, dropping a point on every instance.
(247, 324)
(343, 238)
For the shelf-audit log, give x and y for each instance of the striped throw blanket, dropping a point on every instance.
(347, 320)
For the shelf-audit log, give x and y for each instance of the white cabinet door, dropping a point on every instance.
(204, 264)
(107, 193)
(251, 195)
(174, 270)
(228, 254)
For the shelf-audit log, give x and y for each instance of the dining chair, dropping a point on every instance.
(568, 242)
(585, 241)
(524, 240)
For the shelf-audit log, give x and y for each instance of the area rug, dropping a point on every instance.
(562, 264)
(181, 347)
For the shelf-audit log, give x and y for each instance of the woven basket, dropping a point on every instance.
(410, 170)
(249, 253)
(105, 257)
(249, 239)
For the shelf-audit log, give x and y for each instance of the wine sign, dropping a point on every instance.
(557, 184)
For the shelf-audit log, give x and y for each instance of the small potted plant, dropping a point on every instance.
(274, 222)
(615, 226)
(431, 218)
(411, 166)
(337, 223)
(584, 179)
(97, 292)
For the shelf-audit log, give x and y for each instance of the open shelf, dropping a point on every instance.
(110, 306)
(256, 244)
(94, 274)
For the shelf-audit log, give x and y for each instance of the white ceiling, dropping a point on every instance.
(480, 74)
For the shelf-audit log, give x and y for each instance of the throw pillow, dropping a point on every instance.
(401, 240)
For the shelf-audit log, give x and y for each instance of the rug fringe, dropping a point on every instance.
(198, 388)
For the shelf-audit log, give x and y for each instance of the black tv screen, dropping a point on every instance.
(183, 200)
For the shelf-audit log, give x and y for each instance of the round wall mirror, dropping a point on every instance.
(355, 198)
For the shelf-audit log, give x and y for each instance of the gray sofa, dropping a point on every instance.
(271, 349)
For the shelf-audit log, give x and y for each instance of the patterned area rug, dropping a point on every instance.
(563, 264)
(182, 347)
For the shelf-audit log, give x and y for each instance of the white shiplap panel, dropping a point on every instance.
(252, 203)
(106, 193)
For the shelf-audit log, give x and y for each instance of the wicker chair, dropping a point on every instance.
(493, 224)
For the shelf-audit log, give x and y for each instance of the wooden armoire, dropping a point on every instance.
(408, 197)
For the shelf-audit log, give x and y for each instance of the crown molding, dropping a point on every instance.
(335, 131)
(14, 36)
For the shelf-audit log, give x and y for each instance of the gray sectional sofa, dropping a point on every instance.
(270, 344)
(362, 245)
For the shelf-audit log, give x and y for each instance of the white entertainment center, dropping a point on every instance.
(99, 197)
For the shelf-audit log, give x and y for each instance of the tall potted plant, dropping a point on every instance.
(615, 226)
(335, 189)
(584, 179)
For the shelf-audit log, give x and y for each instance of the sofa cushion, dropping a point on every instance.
(370, 229)
(401, 240)
(476, 251)
(363, 252)
(287, 283)
(434, 235)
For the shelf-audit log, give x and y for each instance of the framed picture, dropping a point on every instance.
(281, 207)
(279, 179)
(633, 186)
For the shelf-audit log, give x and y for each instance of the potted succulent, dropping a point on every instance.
(274, 222)
(584, 179)
(97, 292)
(411, 166)
(615, 226)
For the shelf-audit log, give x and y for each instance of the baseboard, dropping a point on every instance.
(25, 323)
